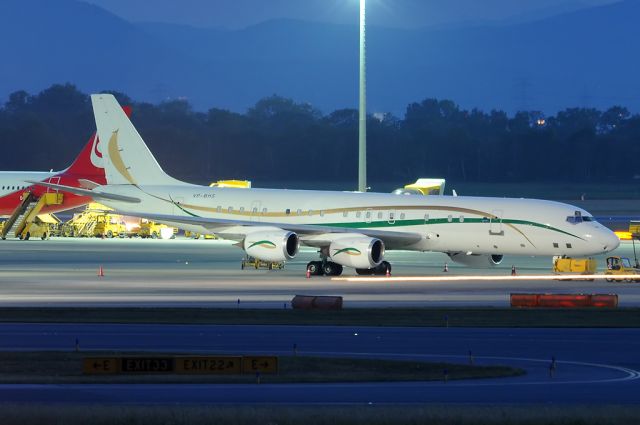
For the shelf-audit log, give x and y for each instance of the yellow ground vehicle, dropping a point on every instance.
(83, 223)
(260, 264)
(621, 266)
(574, 266)
(43, 226)
(109, 226)
(240, 184)
(423, 187)
(150, 229)
(188, 234)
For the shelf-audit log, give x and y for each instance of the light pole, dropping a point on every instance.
(362, 131)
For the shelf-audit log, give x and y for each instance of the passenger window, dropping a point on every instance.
(230, 210)
(255, 210)
(321, 213)
(358, 214)
(264, 211)
(461, 219)
(380, 215)
(345, 213)
(241, 209)
(555, 245)
(287, 211)
(368, 215)
(219, 209)
(450, 219)
(569, 245)
(402, 216)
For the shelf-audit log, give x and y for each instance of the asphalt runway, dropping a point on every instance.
(594, 366)
(182, 272)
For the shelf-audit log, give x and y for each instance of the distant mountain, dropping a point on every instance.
(582, 58)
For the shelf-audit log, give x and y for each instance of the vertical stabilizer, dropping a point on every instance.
(126, 158)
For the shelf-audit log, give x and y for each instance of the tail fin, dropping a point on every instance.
(126, 158)
(89, 165)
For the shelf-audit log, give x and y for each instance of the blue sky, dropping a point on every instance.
(234, 14)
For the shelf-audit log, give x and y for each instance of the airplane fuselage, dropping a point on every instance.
(13, 185)
(447, 224)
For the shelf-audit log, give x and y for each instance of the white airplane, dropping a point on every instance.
(350, 229)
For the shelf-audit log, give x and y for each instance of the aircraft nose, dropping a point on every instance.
(610, 241)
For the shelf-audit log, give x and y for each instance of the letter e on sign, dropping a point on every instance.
(262, 364)
(100, 366)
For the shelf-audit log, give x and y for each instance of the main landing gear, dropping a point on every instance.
(382, 269)
(329, 268)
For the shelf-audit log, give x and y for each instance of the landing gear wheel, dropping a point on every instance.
(332, 269)
(386, 267)
(364, 272)
(315, 268)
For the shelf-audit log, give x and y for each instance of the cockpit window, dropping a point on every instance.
(577, 217)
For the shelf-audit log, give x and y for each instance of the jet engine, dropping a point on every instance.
(272, 245)
(476, 260)
(358, 252)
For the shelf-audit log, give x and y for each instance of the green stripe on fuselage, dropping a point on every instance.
(419, 222)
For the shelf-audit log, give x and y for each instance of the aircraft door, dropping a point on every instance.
(53, 180)
(256, 210)
(392, 217)
(495, 223)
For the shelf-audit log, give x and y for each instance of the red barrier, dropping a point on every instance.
(564, 300)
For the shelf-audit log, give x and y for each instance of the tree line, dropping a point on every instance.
(279, 139)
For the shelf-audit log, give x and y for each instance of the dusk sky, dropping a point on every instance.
(233, 14)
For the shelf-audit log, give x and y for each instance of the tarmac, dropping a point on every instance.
(206, 273)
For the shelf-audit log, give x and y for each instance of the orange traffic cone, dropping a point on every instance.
(100, 272)
(308, 273)
(446, 267)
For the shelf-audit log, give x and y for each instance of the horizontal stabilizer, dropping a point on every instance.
(86, 192)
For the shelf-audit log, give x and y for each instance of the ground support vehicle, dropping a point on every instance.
(251, 262)
(563, 265)
(621, 266)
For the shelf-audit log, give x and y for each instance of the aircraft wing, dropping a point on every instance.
(310, 234)
(95, 194)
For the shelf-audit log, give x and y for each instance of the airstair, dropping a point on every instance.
(26, 213)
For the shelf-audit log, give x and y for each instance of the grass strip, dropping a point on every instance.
(66, 367)
(426, 317)
(320, 415)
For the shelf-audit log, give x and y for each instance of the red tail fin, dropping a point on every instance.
(88, 164)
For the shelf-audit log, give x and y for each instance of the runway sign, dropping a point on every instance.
(209, 365)
(187, 365)
(262, 364)
(100, 366)
(146, 365)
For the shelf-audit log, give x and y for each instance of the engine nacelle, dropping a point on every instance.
(476, 260)
(358, 252)
(272, 245)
